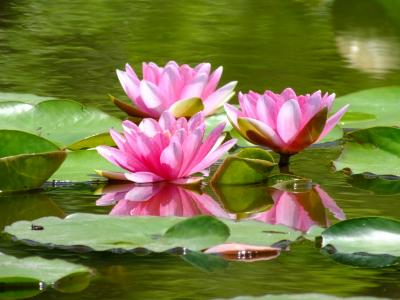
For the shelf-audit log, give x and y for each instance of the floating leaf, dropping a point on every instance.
(102, 233)
(372, 107)
(26, 98)
(379, 185)
(249, 165)
(368, 241)
(213, 121)
(26, 160)
(375, 150)
(64, 122)
(29, 276)
(81, 165)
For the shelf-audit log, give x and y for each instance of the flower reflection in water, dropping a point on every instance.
(296, 208)
(300, 210)
(160, 199)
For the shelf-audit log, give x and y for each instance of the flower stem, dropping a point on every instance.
(284, 163)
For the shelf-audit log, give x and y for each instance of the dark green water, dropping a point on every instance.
(70, 49)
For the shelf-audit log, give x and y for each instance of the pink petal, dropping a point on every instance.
(266, 110)
(248, 106)
(119, 140)
(194, 88)
(265, 131)
(151, 72)
(212, 157)
(195, 121)
(288, 94)
(203, 68)
(130, 86)
(172, 157)
(312, 106)
(166, 120)
(233, 114)
(332, 121)
(219, 97)
(212, 82)
(190, 148)
(143, 177)
(114, 156)
(130, 127)
(289, 120)
(151, 94)
(150, 127)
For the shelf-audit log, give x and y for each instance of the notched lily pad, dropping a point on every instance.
(249, 165)
(365, 242)
(26, 277)
(26, 160)
(121, 234)
(64, 122)
(26, 98)
(375, 150)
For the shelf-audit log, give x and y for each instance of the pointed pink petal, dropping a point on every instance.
(131, 73)
(212, 157)
(151, 94)
(172, 157)
(190, 148)
(143, 177)
(130, 86)
(265, 131)
(332, 121)
(266, 110)
(150, 127)
(119, 140)
(114, 156)
(288, 94)
(219, 97)
(194, 88)
(166, 121)
(248, 106)
(289, 120)
(233, 114)
(195, 121)
(212, 82)
(203, 68)
(130, 127)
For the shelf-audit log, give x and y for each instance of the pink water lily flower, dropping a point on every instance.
(286, 122)
(159, 199)
(181, 89)
(166, 150)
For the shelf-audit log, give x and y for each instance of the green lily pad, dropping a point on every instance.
(106, 233)
(372, 107)
(379, 185)
(64, 122)
(249, 165)
(26, 160)
(26, 206)
(26, 98)
(26, 277)
(335, 134)
(368, 241)
(81, 165)
(375, 150)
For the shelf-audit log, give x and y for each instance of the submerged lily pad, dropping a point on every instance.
(81, 165)
(368, 241)
(379, 185)
(375, 150)
(105, 233)
(26, 277)
(26, 160)
(64, 122)
(372, 107)
(26, 206)
(249, 165)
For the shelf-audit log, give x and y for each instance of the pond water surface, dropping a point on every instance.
(70, 49)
